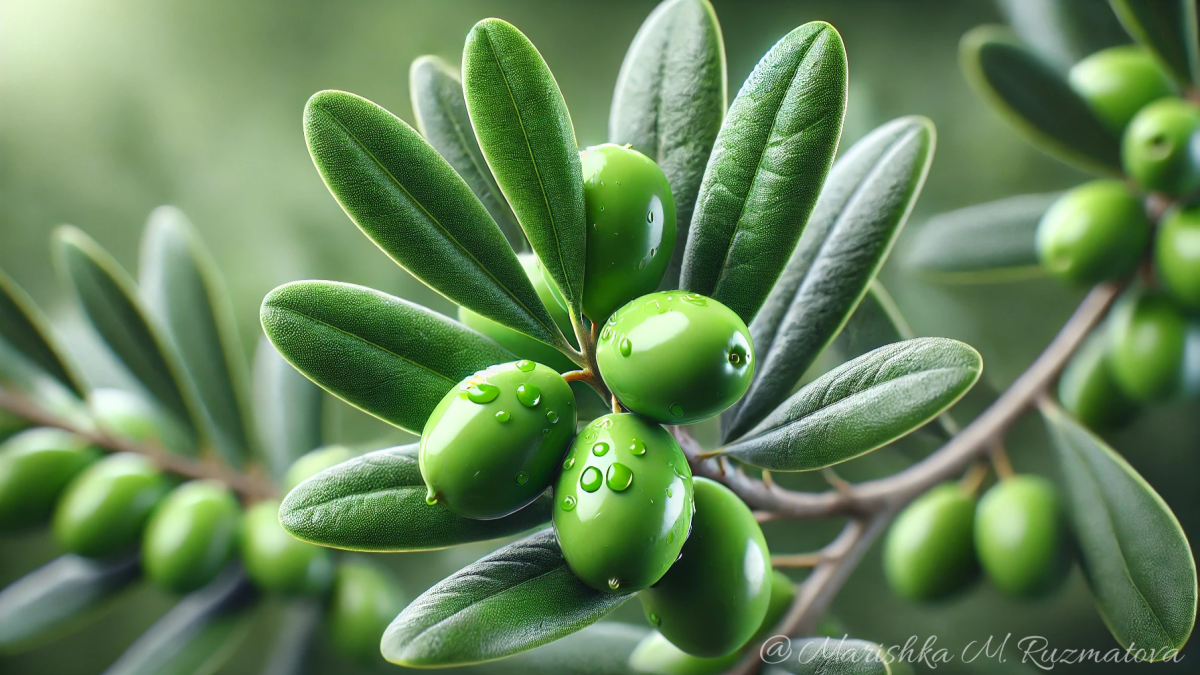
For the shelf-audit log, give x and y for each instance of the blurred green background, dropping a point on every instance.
(108, 109)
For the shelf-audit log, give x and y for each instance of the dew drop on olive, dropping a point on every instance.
(191, 536)
(276, 561)
(929, 552)
(364, 600)
(1020, 536)
(35, 466)
(103, 510)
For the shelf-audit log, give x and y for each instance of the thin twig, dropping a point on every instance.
(1001, 462)
(974, 477)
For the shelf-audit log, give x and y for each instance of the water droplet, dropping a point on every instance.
(606, 333)
(600, 449)
(522, 478)
(695, 299)
(612, 320)
(529, 395)
(483, 392)
(545, 432)
(676, 410)
(602, 208)
(614, 583)
(671, 537)
(431, 497)
(568, 503)
(525, 365)
(552, 416)
(626, 347)
(602, 423)
(602, 183)
(637, 448)
(642, 264)
(568, 462)
(653, 252)
(655, 620)
(591, 479)
(619, 477)
(669, 493)
(650, 217)
(502, 416)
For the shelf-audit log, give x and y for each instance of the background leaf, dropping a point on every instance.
(600, 649)
(386, 356)
(1168, 29)
(670, 100)
(839, 656)
(26, 329)
(294, 640)
(1064, 31)
(287, 409)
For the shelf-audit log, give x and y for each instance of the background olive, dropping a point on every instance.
(130, 415)
(191, 535)
(102, 511)
(494, 443)
(783, 591)
(1019, 536)
(35, 466)
(676, 357)
(364, 601)
(715, 596)
(278, 562)
(1118, 82)
(1177, 255)
(1147, 338)
(1095, 232)
(1088, 389)
(623, 503)
(1156, 149)
(929, 552)
(630, 227)
(655, 655)
(314, 462)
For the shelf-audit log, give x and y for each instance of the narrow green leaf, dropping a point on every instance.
(411, 203)
(525, 132)
(862, 405)
(21, 376)
(376, 502)
(1168, 28)
(441, 113)
(386, 356)
(1064, 31)
(287, 407)
(295, 638)
(517, 598)
(839, 656)
(26, 329)
(1134, 554)
(600, 649)
(767, 168)
(670, 101)
(864, 205)
(1034, 98)
(183, 289)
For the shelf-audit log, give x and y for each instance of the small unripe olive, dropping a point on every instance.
(1118, 82)
(929, 553)
(191, 536)
(494, 443)
(1095, 232)
(278, 562)
(102, 511)
(364, 601)
(623, 503)
(1090, 392)
(1019, 536)
(676, 357)
(1177, 255)
(133, 416)
(35, 466)
(314, 462)
(1147, 334)
(1159, 149)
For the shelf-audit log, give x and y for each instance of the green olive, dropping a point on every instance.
(494, 443)
(630, 227)
(364, 601)
(1089, 391)
(715, 596)
(676, 357)
(1156, 149)
(1177, 255)
(102, 511)
(133, 416)
(623, 503)
(1095, 232)
(191, 536)
(35, 466)
(929, 552)
(1118, 82)
(1147, 334)
(314, 462)
(1019, 536)
(783, 591)
(278, 562)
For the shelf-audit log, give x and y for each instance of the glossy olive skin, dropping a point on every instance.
(630, 227)
(1020, 537)
(278, 562)
(491, 446)
(783, 591)
(314, 462)
(191, 536)
(929, 553)
(35, 466)
(103, 510)
(620, 530)
(130, 415)
(1089, 391)
(676, 357)
(1118, 82)
(1093, 233)
(715, 596)
(1157, 148)
(1177, 255)
(364, 601)
(1147, 336)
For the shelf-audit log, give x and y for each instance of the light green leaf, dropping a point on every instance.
(839, 656)
(287, 407)
(294, 640)
(1168, 28)
(517, 598)
(600, 649)
(1064, 31)
(26, 329)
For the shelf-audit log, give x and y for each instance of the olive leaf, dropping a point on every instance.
(294, 640)
(525, 132)
(288, 409)
(1133, 552)
(517, 598)
(411, 203)
(182, 288)
(441, 114)
(1168, 29)
(862, 405)
(1064, 31)
(26, 329)
(670, 100)
(866, 200)
(767, 167)
(600, 649)
(384, 355)
(1028, 93)
(839, 656)
(376, 502)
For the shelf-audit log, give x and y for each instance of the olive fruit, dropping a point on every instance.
(623, 503)
(1019, 536)
(1095, 232)
(191, 535)
(630, 227)
(1089, 391)
(1157, 149)
(1118, 82)
(102, 511)
(278, 562)
(1177, 255)
(715, 596)
(35, 466)
(493, 444)
(129, 415)
(314, 462)
(1147, 334)
(364, 601)
(929, 552)
(783, 591)
(676, 357)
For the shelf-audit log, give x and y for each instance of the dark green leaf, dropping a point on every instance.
(670, 100)
(287, 409)
(1064, 31)
(386, 356)
(376, 502)
(294, 639)
(25, 328)
(862, 405)
(839, 656)
(525, 132)
(599, 649)
(1134, 554)
(767, 168)
(1168, 29)
(517, 598)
